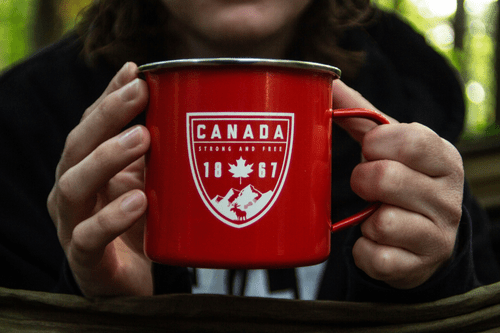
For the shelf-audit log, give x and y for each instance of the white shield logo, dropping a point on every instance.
(239, 161)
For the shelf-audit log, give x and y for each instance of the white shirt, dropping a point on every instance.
(214, 281)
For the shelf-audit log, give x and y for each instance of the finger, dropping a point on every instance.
(414, 145)
(91, 237)
(395, 266)
(396, 227)
(124, 76)
(345, 97)
(393, 183)
(79, 185)
(129, 178)
(113, 113)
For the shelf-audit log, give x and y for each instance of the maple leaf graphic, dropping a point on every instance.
(240, 170)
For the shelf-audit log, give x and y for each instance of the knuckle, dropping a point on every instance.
(71, 145)
(104, 114)
(456, 213)
(440, 248)
(102, 222)
(440, 252)
(87, 112)
(99, 156)
(385, 179)
(380, 224)
(449, 236)
(383, 266)
(460, 172)
(80, 243)
(375, 180)
(453, 209)
(106, 156)
(50, 200)
(65, 188)
(417, 140)
(449, 206)
(52, 205)
(446, 254)
(456, 164)
(71, 140)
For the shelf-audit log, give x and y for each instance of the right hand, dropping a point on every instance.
(98, 202)
(418, 178)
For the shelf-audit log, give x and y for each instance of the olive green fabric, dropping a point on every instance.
(27, 311)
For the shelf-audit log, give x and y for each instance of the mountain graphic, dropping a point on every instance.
(240, 206)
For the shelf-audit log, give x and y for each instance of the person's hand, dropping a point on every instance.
(97, 202)
(418, 177)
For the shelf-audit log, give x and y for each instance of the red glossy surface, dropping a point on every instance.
(199, 119)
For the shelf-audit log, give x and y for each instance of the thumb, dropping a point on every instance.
(345, 97)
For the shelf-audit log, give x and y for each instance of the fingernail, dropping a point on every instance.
(123, 74)
(133, 202)
(125, 67)
(131, 138)
(129, 91)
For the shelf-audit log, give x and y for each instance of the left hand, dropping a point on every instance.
(97, 202)
(418, 177)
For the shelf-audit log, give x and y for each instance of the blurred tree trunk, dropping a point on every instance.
(48, 25)
(459, 25)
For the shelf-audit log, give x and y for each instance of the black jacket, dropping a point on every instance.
(43, 98)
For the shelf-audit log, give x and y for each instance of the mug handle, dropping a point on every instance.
(365, 213)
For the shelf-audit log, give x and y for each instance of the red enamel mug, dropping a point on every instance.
(239, 170)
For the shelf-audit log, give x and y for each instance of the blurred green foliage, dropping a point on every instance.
(471, 53)
(14, 30)
(17, 25)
